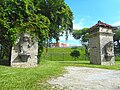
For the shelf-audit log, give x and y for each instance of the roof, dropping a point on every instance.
(101, 24)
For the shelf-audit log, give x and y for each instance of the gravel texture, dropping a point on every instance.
(83, 78)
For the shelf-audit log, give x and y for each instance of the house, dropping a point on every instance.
(59, 44)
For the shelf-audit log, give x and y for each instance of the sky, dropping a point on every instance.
(87, 13)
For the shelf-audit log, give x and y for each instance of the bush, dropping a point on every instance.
(75, 54)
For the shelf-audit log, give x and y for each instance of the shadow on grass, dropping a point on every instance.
(117, 59)
(75, 62)
(4, 62)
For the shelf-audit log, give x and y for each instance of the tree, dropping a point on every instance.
(59, 15)
(83, 36)
(20, 16)
(75, 54)
(117, 37)
(42, 18)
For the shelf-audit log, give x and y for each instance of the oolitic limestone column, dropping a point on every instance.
(101, 44)
(24, 52)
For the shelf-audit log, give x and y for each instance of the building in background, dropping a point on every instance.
(59, 44)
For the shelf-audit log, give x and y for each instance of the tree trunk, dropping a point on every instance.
(10, 52)
(86, 52)
(47, 44)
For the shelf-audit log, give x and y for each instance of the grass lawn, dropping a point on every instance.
(28, 78)
(87, 64)
(35, 78)
(63, 54)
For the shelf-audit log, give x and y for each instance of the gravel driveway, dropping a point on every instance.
(83, 78)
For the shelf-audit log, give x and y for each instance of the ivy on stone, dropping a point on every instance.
(20, 16)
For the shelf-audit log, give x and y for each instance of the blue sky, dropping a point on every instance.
(88, 12)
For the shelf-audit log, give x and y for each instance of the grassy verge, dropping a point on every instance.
(35, 78)
(87, 64)
(28, 78)
(56, 54)
(63, 54)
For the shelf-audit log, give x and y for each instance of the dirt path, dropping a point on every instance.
(83, 78)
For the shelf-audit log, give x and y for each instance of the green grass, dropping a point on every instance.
(117, 58)
(28, 78)
(63, 54)
(69, 61)
(35, 78)
(87, 64)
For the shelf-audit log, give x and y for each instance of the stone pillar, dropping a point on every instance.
(101, 44)
(24, 52)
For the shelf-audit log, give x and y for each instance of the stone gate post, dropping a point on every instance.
(24, 52)
(101, 44)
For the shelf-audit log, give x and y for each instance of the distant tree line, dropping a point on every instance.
(117, 40)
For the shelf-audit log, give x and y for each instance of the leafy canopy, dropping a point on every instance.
(117, 37)
(59, 15)
(20, 16)
(81, 35)
(42, 18)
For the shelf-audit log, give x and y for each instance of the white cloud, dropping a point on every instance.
(70, 37)
(116, 23)
(71, 41)
(62, 38)
(78, 25)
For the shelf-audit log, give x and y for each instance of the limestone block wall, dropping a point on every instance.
(104, 40)
(94, 45)
(102, 47)
(32, 52)
(105, 30)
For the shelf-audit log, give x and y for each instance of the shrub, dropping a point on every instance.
(75, 54)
